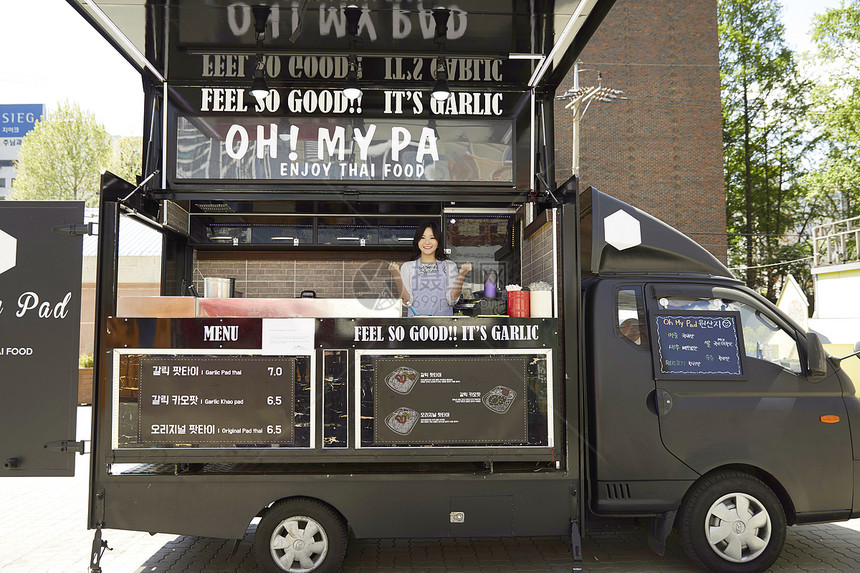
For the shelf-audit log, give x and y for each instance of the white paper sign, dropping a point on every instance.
(288, 336)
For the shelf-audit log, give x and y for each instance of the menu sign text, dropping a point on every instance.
(442, 400)
(698, 344)
(192, 400)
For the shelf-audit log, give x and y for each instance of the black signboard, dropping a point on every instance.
(209, 400)
(291, 102)
(699, 344)
(342, 148)
(232, 70)
(382, 27)
(443, 400)
(40, 320)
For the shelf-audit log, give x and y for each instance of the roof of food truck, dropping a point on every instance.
(618, 238)
(547, 36)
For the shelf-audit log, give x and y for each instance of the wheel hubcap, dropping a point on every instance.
(738, 527)
(299, 544)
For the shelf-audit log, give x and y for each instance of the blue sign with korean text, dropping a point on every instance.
(16, 120)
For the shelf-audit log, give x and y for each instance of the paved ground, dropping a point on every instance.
(43, 530)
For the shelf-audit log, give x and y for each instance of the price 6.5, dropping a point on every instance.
(276, 429)
(276, 371)
(274, 400)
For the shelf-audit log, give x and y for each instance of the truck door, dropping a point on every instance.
(630, 468)
(757, 409)
(40, 320)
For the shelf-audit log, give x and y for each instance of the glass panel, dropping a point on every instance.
(212, 401)
(226, 148)
(450, 400)
(347, 231)
(486, 242)
(763, 338)
(239, 230)
(630, 316)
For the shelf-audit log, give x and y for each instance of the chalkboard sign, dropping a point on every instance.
(698, 344)
(450, 400)
(211, 400)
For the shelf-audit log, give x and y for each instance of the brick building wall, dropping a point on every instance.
(537, 254)
(661, 149)
(285, 275)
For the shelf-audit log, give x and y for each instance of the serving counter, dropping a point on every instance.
(189, 307)
(256, 388)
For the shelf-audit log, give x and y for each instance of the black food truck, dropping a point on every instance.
(291, 151)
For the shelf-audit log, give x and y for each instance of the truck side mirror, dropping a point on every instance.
(816, 357)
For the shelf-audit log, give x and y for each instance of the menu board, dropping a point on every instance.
(464, 400)
(205, 400)
(698, 344)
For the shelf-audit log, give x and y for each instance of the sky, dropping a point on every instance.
(60, 57)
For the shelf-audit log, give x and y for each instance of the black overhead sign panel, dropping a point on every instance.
(408, 27)
(305, 126)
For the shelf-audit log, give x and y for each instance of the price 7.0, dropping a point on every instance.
(275, 371)
(274, 400)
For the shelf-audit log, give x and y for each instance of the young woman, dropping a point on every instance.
(429, 284)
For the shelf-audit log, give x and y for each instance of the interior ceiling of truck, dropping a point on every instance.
(550, 34)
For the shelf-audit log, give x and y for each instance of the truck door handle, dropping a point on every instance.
(664, 402)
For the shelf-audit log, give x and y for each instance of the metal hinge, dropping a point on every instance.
(67, 446)
(75, 229)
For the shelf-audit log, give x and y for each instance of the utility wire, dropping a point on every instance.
(770, 265)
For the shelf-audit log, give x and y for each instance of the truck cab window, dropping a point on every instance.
(630, 316)
(763, 338)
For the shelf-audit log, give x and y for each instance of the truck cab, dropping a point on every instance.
(705, 402)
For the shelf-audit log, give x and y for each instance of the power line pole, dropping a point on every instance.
(579, 98)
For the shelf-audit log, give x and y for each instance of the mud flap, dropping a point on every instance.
(659, 529)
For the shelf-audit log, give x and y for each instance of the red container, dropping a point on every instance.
(518, 303)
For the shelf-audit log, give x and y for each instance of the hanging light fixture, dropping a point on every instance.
(259, 87)
(352, 90)
(440, 90)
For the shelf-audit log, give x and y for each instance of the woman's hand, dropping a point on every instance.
(394, 268)
(465, 269)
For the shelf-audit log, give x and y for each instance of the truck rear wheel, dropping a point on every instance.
(733, 523)
(300, 536)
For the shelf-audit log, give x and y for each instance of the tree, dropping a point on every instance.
(836, 110)
(763, 139)
(62, 157)
(127, 159)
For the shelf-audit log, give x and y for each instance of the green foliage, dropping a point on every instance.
(62, 157)
(85, 361)
(836, 110)
(127, 159)
(764, 141)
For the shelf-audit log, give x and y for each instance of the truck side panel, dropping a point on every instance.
(377, 505)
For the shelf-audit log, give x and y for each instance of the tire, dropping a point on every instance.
(732, 522)
(300, 535)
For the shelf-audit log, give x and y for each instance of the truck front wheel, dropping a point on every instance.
(732, 522)
(300, 536)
